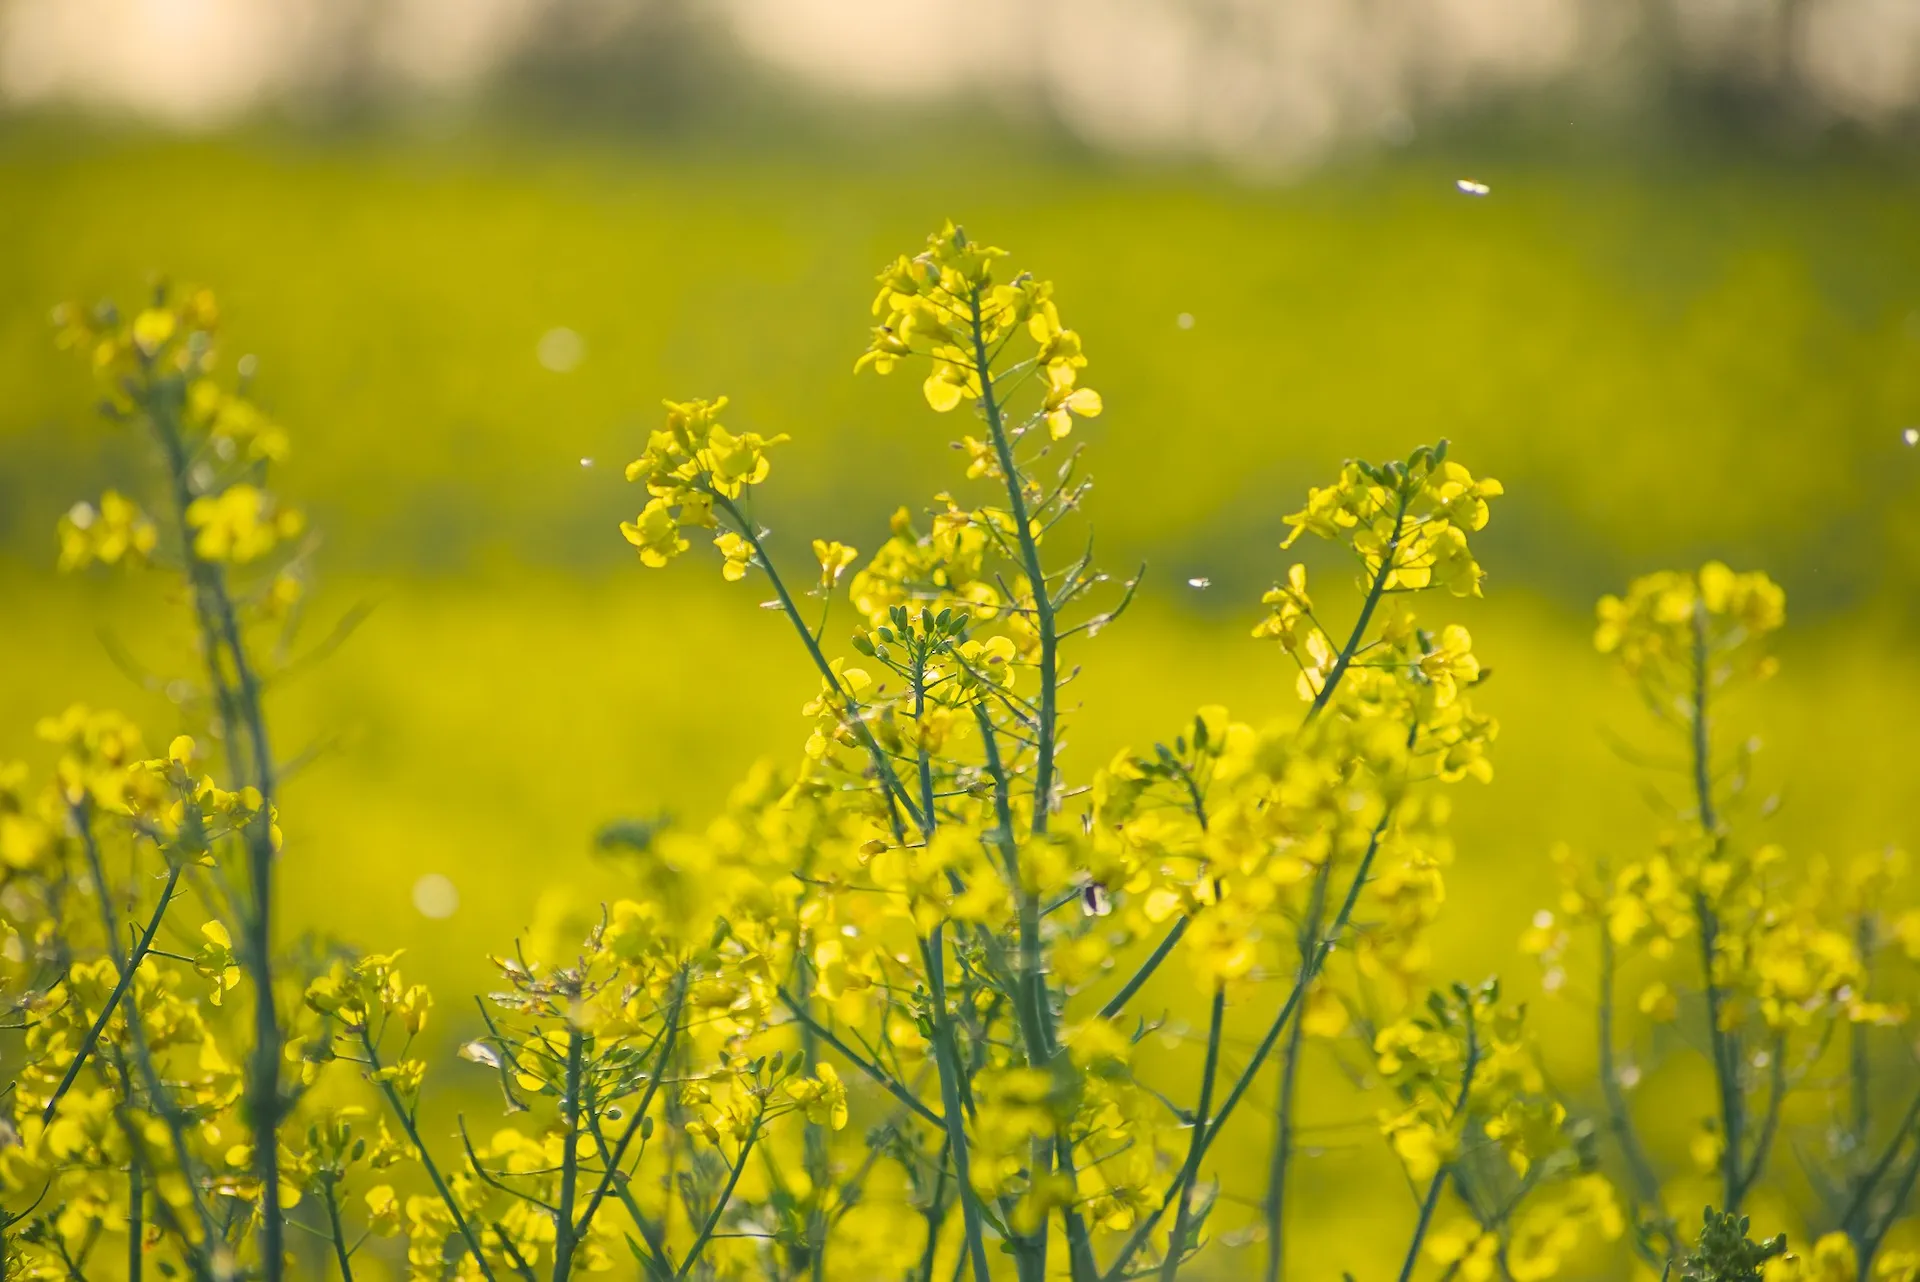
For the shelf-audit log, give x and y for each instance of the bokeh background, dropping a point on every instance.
(472, 243)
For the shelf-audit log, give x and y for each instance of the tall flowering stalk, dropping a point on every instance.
(1780, 975)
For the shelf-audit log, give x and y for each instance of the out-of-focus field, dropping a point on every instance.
(1661, 364)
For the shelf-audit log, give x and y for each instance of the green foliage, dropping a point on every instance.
(1726, 1254)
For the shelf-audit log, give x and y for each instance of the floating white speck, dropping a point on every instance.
(586, 462)
(1629, 1076)
(1911, 436)
(480, 1053)
(1200, 581)
(1184, 320)
(1554, 980)
(1542, 920)
(436, 896)
(1472, 188)
(247, 366)
(560, 349)
(81, 514)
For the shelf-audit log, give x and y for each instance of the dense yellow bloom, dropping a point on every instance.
(1666, 619)
(929, 920)
(945, 305)
(1832, 1259)
(1407, 522)
(822, 1097)
(242, 523)
(688, 465)
(117, 530)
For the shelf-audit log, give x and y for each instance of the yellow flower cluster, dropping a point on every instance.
(1672, 629)
(114, 532)
(945, 305)
(1765, 963)
(1407, 522)
(904, 1007)
(689, 465)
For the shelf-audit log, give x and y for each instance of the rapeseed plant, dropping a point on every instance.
(887, 1015)
(1787, 979)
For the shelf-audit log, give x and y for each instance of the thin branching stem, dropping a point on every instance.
(242, 708)
(335, 1233)
(565, 1231)
(127, 967)
(882, 764)
(1724, 1043)
(720, 1202)
(403, 1115)
(1432, 1199)
(157, 1094)
(1646, 1184)
(947, 1056)
(1284, 1125)
(1190, 1173)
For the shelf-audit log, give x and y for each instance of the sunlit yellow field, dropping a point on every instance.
(1661, 365)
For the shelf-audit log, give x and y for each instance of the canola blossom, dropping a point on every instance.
(906, 1019)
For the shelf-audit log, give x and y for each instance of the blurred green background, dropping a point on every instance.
(1686, 332)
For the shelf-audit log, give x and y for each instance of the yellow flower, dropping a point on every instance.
(655, 533)
(1832, 1259)
(822, 1097)
(116, 531)
(737, 554)
(834, 557)
(242, 523)
(383, 1210)
(152, 328)
(215, 962)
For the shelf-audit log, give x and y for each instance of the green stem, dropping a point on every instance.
(1283, 1143)
(1858, 1066)
(1770, 1123)
(936, 1213)
(1902, 1192)
(1619, 1116)
(143, 1053)
(1190, 1173)
(1047, 728)
(127, 967)
(1724, 1044)
(1432, 1198)
(1119, 1000)
(136, 1226)
(1375, 591)
(1034, 1002)
(220, 626)
(882, 765)
(879, 1075)
(339, 1234)
(564, 1230)
(813, 1138)
(720, 1204)
(1335, 675)
(1244, 1082)
(609, 1177)
(412, 1129)
(947, 1056)
(657, 1265)
(1853, 1218)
